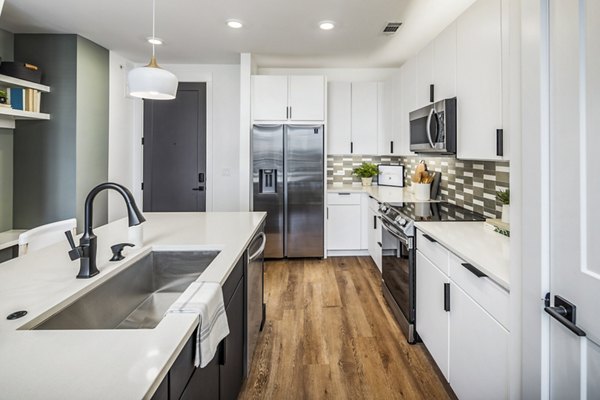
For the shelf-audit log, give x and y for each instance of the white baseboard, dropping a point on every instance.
(345, 253)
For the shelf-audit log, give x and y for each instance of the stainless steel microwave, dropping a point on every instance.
(433, 128)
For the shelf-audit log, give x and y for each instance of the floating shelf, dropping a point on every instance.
(9, 81)
(20, 114)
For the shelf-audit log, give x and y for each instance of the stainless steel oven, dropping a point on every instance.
(398, 275)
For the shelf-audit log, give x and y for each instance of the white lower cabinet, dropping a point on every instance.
(344, 221)
(433, 320)
(478, 350)
(460, 319)
(374, 231)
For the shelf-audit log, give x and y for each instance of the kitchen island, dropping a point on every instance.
(112, 363)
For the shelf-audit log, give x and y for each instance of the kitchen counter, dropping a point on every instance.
(109, 364)
(384, 194)
(487, 250)
(10, 238)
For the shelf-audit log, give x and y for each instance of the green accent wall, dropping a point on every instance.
(56, 162)
(6, 149)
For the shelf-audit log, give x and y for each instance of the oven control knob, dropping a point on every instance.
(383, 208)
(400, 220)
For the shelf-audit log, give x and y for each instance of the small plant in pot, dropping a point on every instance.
(366, 172)
(503, 197)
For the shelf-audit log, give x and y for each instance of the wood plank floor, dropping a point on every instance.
(330, 335)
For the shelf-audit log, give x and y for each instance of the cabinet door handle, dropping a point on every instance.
(290, 112)
(344, 194)
(432, 240)
(380, 245)
(351, 147)
(431, 92)
(500, 142)
(447, 297)
(374, 221)
(391, 147)
(474, 270)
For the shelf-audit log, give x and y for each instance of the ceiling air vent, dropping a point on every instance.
(392, 27)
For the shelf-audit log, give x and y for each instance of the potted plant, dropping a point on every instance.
(503, 197)
(366, 172)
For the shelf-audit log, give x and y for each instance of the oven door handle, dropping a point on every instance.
(431, 113)
(395, 233)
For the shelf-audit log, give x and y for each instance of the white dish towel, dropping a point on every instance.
(206, 300)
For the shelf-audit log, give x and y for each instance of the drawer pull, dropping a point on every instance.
(432, 240)
(446, 297)
(380, 245)
(474, 270)
(344, 194)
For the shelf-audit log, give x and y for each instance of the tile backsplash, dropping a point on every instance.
(470, 184)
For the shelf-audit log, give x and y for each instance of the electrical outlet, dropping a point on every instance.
(226, 172)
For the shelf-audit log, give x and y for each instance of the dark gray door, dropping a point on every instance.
(175, 151)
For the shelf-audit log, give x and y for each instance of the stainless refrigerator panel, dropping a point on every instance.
(268, 184)
(305, 191)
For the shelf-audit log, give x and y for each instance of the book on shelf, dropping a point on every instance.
(25, 99)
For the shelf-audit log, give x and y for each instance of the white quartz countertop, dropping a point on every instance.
(485, 249)
(10, 238)
(384, 194)
(104, 364)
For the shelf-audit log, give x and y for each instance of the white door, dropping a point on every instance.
(444, 64)
(424, 74)
(478, 350)
(408, 102)
(574, 254)
(307, 98)
(269, 98)
(339, 114)
(343, 227)
(433, 321)
(364, 117)
(479, 80)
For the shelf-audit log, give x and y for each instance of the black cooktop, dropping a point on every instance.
(442, 211)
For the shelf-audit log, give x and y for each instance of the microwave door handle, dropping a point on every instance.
(431, 112)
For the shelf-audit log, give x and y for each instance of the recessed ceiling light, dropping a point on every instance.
(235, 24)
(326, 25)
(154, 40)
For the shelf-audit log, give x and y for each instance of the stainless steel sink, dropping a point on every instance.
(136, 298)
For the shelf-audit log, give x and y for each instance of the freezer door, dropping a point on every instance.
(305, 191)
(268, 183)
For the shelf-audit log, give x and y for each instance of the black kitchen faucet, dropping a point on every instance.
(86, 251)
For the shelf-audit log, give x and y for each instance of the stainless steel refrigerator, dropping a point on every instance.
(288, 183)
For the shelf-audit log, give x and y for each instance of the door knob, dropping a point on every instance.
(564, 312)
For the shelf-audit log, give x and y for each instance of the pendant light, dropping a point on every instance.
(151, 81)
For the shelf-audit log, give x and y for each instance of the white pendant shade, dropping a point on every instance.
(152, 82)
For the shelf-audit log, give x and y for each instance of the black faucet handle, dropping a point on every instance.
(75, 251)
(117, 250)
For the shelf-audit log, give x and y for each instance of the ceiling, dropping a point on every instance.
(280, 33)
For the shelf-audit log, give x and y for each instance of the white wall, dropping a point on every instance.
(120, 134)
(336, 74)
(222, 141)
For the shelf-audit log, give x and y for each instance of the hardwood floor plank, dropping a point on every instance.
(330, 335)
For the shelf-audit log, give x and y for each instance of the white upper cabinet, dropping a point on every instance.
(269, 98)
(339, 112)
(307, 98)
(479, 80)
(408, 102)
(364, 117)
(444, 64)
(425, 60)
(283, 98)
